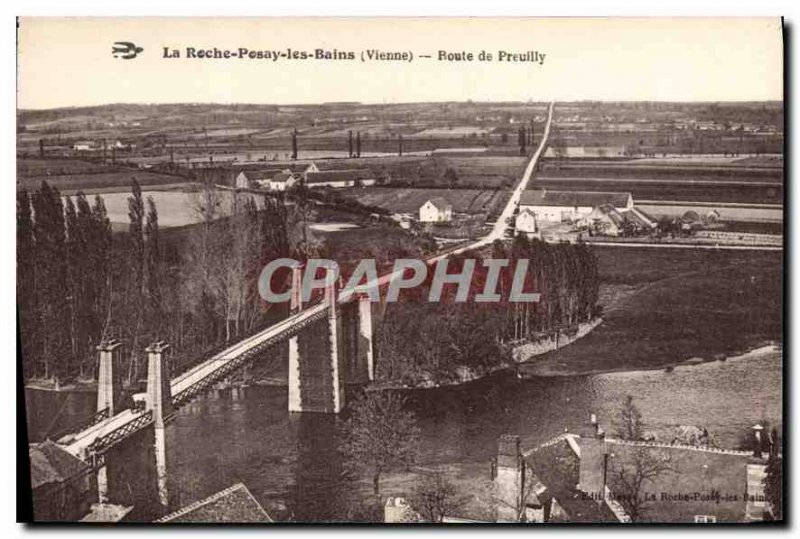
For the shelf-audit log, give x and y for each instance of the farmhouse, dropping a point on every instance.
(459, 152)
(605, 220)
(271, 179)
(436, 210)
(525, 224)
(362, 177)
(83, 146)
(570, 206)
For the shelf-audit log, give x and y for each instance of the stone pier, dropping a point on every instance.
(509, 479)
(159, 401)
(295, 306)
(333, 333)
(365, 334)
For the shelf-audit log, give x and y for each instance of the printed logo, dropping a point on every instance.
(125, 50)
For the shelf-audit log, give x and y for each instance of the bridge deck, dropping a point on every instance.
(79, 443)
(203, 370)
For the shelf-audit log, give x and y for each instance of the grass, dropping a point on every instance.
(47, 167)
(753, 194)
(671, 305)
(409, 200)
(75, 182)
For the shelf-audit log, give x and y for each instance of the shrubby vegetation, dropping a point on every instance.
(443, 342)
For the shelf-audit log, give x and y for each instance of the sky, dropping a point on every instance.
(68, 62)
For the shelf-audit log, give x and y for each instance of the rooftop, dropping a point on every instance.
(591, 199)
(265, 174)
(234, 504)
(50, 463)
(556, 466)
(441, 203)
(340, 175)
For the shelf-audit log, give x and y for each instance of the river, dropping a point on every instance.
(289, 462)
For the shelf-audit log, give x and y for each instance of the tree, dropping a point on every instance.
(153, 269)
(136, 274)
(434, 497)
(26, 291)
(379, 436)
(773, 481)
(101, 258)
(451, 177)
(631, 425)
(52, 294)
(631, 475)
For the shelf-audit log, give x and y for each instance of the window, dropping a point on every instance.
(705, 519)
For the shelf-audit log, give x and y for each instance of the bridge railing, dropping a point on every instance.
(102, 443)
(80, 425)
(182, 363)
(203, 379)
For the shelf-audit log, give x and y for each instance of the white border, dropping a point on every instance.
(10, 9)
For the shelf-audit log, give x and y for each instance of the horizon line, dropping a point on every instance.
(395, 103)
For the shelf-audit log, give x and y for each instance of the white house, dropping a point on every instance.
(525, 223)
(436, 210)
(570, 206)
(250, 179)
(270, 179)
(82, 146)
(282, 181)
(361, 177)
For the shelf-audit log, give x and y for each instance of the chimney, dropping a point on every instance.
(509, 478)
(593, 460)
(758, 436)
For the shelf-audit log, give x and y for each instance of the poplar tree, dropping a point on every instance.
(27, 311)
(136, 282)
(51, 281)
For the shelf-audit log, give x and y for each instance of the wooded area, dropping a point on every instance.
(79, 283)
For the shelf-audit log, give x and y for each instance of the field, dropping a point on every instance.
(727, 213)
(670, 190)
(695, 180)
(175, 208)
(404, 200)
(664, 306)
(100, 181)
(47, 167)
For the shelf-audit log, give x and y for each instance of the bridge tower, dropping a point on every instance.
(365, 348)
(317, 373)
(333, 339)
(109, 397)
(109, 377)
(295, 306)
(159, 400)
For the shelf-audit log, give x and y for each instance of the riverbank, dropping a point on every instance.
(520, 354)
(551, 369)
(53, 384)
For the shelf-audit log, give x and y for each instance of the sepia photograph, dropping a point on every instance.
(400, 271)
